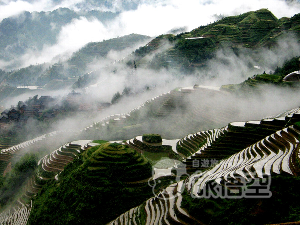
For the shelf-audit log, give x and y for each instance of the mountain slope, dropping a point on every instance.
(191, 49)
(275, 153)
(74, 67)
(238, 189)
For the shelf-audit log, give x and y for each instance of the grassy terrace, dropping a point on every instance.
(214, 144)
(89, 183)
(245, 29)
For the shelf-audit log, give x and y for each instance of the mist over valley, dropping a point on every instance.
(159, 100)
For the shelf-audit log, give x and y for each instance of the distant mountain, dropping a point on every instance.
(115, 6)
(63, 74)
(88, 5)
(99, 50)
(185, 52)
(75, 66)
(31, 31)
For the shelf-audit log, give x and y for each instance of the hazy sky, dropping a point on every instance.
(159, 16)
(137, 16)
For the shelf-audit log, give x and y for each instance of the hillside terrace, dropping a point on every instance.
(277, 153)
(273, 154)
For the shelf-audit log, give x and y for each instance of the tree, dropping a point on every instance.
(126, 91)
(116, 98)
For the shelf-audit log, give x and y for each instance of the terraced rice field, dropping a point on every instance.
(248, 150)
(277, 153)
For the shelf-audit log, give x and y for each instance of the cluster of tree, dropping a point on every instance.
(152, 138)
(11, 183)
(117, 96)
(289, 66)
(85, 80)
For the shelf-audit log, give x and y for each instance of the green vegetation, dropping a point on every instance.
(13, 180)
(110, 178)
(252, 83)
(98, 50)
(155, 157)
(26, 163)
(116, 98)
(268, 78)
(281, 207)
(85, 80)
(153, 45)
(100, 141)
(192, 49)
(288, 67)
(152, 138)
(93, 189)
(108, 159)
(20, 77)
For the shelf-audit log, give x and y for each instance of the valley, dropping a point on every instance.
(200, 127)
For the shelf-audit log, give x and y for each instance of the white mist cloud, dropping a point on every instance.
(14, 7)
(11, 8)
(169, 11)
(228, 67)
(150, 18)
(71, 38)
(160, 16)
